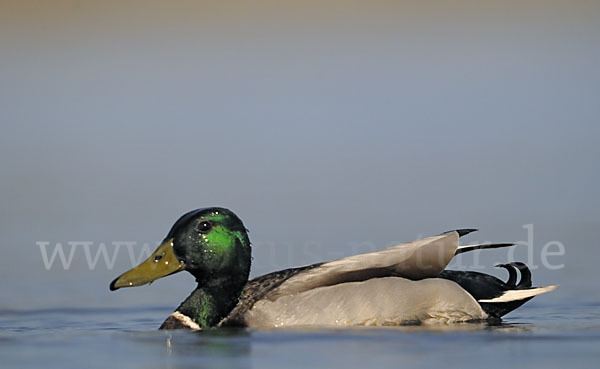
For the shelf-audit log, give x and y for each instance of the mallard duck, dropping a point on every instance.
(402, 284)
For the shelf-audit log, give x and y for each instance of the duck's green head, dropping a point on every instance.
(210, 243)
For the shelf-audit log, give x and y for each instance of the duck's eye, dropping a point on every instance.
(157, 258)
(204, 227)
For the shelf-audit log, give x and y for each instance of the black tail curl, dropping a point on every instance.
(512, 268)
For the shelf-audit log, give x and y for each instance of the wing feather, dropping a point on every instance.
(419, 259)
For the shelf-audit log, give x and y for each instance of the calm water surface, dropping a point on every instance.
(537, 335)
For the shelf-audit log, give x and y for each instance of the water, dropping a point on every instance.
(537, 335)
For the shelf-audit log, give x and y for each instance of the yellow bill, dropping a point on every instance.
(160, 264)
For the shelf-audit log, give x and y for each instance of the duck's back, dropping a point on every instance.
(348, 278)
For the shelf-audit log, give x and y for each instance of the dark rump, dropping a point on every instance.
(484, 287)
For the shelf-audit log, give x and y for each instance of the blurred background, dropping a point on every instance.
(329, 127)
